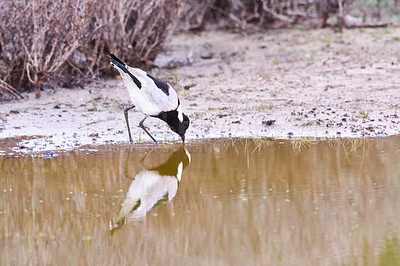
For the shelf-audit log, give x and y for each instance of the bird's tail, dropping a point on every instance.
(118, 63)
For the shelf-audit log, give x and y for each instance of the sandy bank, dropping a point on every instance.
(288, 83)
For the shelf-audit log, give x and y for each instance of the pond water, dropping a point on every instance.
(222, 202)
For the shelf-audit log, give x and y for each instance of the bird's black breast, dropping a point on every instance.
(160, 84)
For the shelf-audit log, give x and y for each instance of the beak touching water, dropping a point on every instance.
(183, 138)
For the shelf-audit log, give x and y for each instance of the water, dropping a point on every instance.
(224, 202)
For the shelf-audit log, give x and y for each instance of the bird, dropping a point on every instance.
(152, 97)
(152, 186)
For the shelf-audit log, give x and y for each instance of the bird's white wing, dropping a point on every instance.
(160, 94)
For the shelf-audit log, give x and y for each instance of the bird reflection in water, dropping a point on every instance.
(151, 186)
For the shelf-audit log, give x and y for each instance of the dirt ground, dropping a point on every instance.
(282, 83)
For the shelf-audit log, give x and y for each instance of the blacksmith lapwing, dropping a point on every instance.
(152, 97)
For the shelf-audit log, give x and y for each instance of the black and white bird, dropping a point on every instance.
(152, 97)
(151, 186)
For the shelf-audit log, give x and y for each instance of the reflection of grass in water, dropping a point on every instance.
(233, 145)
(349, 146)
(258, 143)
(354, 144)
(299, 143)
(249, 144)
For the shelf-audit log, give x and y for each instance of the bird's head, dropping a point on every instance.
(183, 126)
(178, 123)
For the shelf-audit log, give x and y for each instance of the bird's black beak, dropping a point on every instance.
(183, 138)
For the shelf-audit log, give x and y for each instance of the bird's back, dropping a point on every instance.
(153, 97)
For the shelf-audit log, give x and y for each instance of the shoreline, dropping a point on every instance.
(45, 147)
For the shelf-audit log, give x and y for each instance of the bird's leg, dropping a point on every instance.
(127, 122)
(145, 130)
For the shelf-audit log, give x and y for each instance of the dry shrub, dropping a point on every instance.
(64, 42)
(134, 30)
(240, 13)
(193, 14)
(39, 37)
(262, 14)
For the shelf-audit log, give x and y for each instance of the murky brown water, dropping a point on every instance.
(242, 202)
